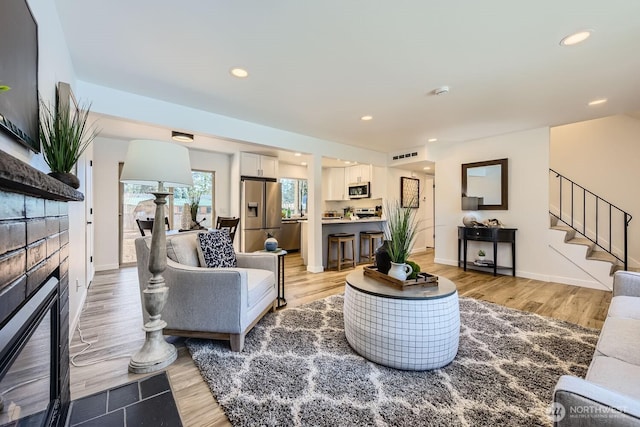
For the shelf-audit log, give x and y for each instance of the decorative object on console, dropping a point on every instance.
(469, 220)
(271, 243)
(481, 255)
(215, 249)
(64, 135)
(168, 164)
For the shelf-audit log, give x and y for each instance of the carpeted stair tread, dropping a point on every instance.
(602, 256)
(570, 233)
(561, 228)
(581, 241)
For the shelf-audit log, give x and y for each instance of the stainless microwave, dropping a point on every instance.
(359, 190)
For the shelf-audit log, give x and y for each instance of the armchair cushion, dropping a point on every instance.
(215, 249)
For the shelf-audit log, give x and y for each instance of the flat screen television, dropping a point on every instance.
(19, 71)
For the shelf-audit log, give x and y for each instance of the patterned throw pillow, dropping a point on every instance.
(215, 249)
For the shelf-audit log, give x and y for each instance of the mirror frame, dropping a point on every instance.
(504, 182)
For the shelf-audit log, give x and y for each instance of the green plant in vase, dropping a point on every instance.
(400, 233)
(64, 136)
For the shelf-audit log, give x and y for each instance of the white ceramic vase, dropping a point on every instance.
(400, 271)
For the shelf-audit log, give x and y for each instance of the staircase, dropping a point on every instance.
(588, 231)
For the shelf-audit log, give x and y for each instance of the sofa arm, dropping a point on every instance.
(261, 261)
(626, 283)
(205, 299)
(588, 404)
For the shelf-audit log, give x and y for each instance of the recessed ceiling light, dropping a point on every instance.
(575, 38)
(304, 163)
(181, 136)
(426, 168)
(347, 162)
(432, 139)
(366, 118)
(297, 154)
(239, 72)
(442, 90)
(597, 102)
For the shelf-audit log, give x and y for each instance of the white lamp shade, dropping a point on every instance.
(150, 162)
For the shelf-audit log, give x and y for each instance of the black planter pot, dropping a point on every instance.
(67, 178)
(383, 260)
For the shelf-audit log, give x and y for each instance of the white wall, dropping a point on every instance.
(528, 154)
(286, 170)
(422, 213)
(602, 155)
(109, 153)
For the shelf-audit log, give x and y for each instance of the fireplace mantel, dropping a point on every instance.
(17, 176)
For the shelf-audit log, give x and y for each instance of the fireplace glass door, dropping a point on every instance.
(28, 363)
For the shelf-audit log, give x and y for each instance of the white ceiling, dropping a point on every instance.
(316, 67)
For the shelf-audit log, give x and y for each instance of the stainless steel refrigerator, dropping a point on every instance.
(261, 212)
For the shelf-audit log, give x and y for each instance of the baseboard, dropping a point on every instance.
(579, 282)
(76, 318)
(106, 267)
(445, 261)
(315, 268)
(541, 277)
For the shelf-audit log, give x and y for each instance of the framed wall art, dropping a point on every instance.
(409, 192)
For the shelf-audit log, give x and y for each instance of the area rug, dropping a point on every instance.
(297, 369)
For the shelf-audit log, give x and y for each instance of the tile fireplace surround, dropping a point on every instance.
(34, 248)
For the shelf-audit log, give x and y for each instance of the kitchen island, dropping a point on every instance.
(330, 226)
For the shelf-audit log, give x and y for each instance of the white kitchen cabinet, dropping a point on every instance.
(334, 184)
(358, 173)
(379, 182)
(252, 164)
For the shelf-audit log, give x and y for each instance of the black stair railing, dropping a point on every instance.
(590, 209)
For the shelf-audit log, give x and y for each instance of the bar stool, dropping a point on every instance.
(341, 239)
(370, 236)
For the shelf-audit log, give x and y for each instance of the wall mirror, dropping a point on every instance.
(485, 185)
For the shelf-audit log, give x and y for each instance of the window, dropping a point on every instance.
(200, 197)
(136, 202)
(294, 196)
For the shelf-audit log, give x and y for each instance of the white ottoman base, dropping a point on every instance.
(409, 334)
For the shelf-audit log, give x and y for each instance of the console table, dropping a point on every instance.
(487, 234)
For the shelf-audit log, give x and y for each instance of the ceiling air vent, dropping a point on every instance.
(405, 156)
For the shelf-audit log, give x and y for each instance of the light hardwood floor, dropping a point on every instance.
(112, 319)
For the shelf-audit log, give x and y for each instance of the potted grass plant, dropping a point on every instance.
(400, 233)
(64, 135)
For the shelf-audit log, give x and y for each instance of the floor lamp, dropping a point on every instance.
(165, 164)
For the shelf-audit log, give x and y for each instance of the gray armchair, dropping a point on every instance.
(212, 303)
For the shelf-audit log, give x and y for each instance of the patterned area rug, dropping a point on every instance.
(297, 369)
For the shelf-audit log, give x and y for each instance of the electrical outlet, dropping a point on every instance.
(78, 285)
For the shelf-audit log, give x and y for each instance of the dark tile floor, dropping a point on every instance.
(146, 402)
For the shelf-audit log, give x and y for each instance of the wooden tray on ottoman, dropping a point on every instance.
(424, 279)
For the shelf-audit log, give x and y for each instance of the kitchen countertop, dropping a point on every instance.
(350, 221)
